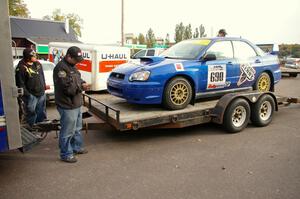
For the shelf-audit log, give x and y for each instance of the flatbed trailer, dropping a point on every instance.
(120, 115)
(292, 72)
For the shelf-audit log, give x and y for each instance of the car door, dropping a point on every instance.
(248, 61)
(218, 73)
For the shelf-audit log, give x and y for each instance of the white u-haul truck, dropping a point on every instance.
(99, 60)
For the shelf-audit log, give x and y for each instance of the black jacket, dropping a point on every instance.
(31, 78)
(67, 85)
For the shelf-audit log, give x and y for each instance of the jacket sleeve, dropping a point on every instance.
(64, 82)
(20, 75)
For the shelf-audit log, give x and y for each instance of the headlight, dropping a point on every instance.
(140, 76)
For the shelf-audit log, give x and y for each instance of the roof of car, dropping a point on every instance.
(219, 38)
(16, 61)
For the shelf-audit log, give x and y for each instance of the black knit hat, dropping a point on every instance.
(75, 53)
(223, 31)
(28, 53)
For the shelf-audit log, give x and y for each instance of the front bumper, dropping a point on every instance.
(136, 92)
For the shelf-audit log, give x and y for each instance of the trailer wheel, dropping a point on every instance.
(178, 94)
(263, 82)
(262, 111)
(236, 116)
(293, 74)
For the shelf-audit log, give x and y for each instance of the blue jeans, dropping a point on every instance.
(70, 138)
(35, 109)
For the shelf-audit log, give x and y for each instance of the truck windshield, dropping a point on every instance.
(189, 49)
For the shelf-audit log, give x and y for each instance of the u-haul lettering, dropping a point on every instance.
(114, 56)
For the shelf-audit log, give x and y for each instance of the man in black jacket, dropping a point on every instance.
(30, 77)
(68, 98)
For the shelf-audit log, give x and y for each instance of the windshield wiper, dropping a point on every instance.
(167, 57)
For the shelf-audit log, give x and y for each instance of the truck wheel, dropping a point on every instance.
(178, 94)
(262, 111)
(263, 82)
(293, 74)
(236, 116)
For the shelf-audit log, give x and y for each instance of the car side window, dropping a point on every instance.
(140, 54)
(150, 53)
(222, 50)
(242, 50)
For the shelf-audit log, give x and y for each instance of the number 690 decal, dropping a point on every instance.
(216, 76)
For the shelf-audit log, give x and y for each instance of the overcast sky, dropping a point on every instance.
(260, 21)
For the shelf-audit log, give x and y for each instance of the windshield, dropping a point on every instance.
(189, 49)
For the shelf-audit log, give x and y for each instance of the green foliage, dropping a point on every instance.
(150, 38)
(289, 50)
(196, 33)
(179, 31)
(141, 39)
(18, 8)
(185, 32)
(74, 20)
(188, 32)
(167, 40)
(202, 31)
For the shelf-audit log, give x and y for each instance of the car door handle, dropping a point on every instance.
(257, 61)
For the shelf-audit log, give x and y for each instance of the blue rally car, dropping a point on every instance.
(195, 69)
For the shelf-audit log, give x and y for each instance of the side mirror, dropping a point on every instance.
(209, 57)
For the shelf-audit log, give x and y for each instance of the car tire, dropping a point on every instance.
(262, 111)
(293, 74)
(237, 116)
(177, 94)
(263, 82)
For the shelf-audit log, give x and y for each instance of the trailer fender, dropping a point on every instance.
(218, 112)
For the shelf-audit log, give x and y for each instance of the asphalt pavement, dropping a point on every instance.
(191, 163)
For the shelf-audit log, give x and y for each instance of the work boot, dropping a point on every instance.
(81, 151)
(70, 159)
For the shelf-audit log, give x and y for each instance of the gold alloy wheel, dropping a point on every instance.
(264, 83)
(179, 93)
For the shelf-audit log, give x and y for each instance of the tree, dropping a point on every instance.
(179, 31)
(202, 31)
(295, 50)
(141, 39)
(18, 8)
(150, 38)
(134, 40)
(74, 20)
(196, 33)
(167, 40)
(188, 32)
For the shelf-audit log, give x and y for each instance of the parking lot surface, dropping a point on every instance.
(196, 162)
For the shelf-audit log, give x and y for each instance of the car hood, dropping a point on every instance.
(147, 63)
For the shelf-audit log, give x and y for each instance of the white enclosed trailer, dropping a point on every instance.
(99, 60)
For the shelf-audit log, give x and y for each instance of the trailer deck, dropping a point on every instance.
(108, 110)
(135, 116)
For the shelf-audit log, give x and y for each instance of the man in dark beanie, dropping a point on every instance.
(30, 77)
(68, 98)
(222, 33)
